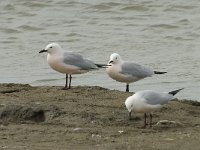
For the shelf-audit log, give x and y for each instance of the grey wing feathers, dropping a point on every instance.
(76, 59)
(136, 70)
(154, 98)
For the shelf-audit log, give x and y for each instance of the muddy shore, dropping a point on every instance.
(90, 118)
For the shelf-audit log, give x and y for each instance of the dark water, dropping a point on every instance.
(164, 35)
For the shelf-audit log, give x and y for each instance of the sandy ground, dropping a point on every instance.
(46, 118)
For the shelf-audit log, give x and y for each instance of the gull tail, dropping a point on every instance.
(175, 92)
(102, 65)
(159, 72)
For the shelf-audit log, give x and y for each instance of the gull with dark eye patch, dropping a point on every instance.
(68, 63)
(127, 72)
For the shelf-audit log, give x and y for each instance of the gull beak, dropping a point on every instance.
(42, 51)
(106, 66)
(110, 62)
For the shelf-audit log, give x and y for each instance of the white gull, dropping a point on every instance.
(68, 62)
(127, 72)
(148, 101)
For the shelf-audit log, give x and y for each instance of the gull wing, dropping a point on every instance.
(75, 59)
(155, 98)
(136, 70)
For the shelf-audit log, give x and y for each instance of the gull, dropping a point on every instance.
(148, 101)
(127, 72)
(68, 62)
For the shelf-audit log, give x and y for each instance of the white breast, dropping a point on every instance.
(56, 64)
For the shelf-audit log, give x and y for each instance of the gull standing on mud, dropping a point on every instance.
(127, 72)
(148, 101)
(68, 62)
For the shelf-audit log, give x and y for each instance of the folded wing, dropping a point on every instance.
(75, 59)
(136, 70)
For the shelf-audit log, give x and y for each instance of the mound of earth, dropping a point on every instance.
(90, 118)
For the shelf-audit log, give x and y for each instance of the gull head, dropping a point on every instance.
(129, 103)
(114, 58)
(51, 48)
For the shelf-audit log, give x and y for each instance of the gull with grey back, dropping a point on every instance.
(148, 101)
(127, 72)
(68, 62)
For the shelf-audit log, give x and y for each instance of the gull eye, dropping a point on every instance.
(51, 47)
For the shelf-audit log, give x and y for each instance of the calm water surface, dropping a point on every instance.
(164, 35)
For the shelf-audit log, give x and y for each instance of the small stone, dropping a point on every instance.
(169, 139)
(167, 123)
(120, 132)
(76, 129)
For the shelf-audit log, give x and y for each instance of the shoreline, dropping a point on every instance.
(86, 117)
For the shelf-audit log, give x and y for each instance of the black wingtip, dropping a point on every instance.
(159, 72)
(175, 92)
(102, 65)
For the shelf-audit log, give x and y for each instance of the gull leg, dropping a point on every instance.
(150, 119)
(70, 80)
(129, 115)
(127, 87)
(145, 120)
(66, 82)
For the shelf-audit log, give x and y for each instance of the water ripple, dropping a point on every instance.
(37, 4)
(9, 30)
(135, 8)
(29, 28)
(100, 7)
(164, 26)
